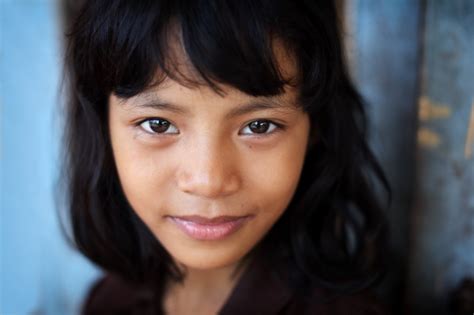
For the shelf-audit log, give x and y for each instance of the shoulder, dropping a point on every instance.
(112, 295)
(264, 289)
(320, 302)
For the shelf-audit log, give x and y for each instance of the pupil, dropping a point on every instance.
(159, 126)
(259, 126)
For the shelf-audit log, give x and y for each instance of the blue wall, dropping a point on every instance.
(414, 63)
(383, 39)
(442, 248)
(39, 273)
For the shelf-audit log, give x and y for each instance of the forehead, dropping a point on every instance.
(187, 83)
(174, 97)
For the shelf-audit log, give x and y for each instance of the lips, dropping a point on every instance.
(208, 229)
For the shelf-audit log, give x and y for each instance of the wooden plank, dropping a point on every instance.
(442, 252)
(383, 48)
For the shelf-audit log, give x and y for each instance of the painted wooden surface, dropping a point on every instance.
(414, 63)
(442, 251)
(381, 38)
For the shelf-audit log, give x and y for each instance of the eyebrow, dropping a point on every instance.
(253, 106)
(160, 105)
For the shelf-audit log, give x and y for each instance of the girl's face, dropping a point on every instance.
(209, 174)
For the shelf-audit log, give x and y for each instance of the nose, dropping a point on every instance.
(209, 169)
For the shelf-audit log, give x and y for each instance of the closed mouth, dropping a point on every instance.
(202, 228)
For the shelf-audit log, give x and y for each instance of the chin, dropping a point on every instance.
(202, 259)
(209, 265)
(207, 254)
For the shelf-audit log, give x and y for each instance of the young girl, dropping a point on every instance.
(217, 161)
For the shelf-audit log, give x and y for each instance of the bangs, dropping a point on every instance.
(192, 42)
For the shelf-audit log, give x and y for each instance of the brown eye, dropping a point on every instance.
(260, 127)
(158, 125)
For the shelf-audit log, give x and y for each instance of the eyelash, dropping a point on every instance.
(276, 127)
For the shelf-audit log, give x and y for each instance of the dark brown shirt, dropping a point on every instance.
(257, 292)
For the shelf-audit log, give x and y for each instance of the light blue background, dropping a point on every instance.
(40, 274)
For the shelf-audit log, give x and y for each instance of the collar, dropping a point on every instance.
(259, 291)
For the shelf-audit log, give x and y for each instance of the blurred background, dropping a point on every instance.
(413, 61)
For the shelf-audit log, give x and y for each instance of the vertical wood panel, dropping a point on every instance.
(443, 219)
(383, 43)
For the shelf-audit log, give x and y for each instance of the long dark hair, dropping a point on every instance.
(334, 230)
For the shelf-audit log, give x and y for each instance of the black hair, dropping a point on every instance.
(334, 230)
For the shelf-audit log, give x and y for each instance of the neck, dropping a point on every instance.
(205, 280)
(203, 289)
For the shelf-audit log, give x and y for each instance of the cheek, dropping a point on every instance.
(145, 177)
(275, 175)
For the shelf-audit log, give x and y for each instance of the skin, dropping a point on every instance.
(209, 162)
